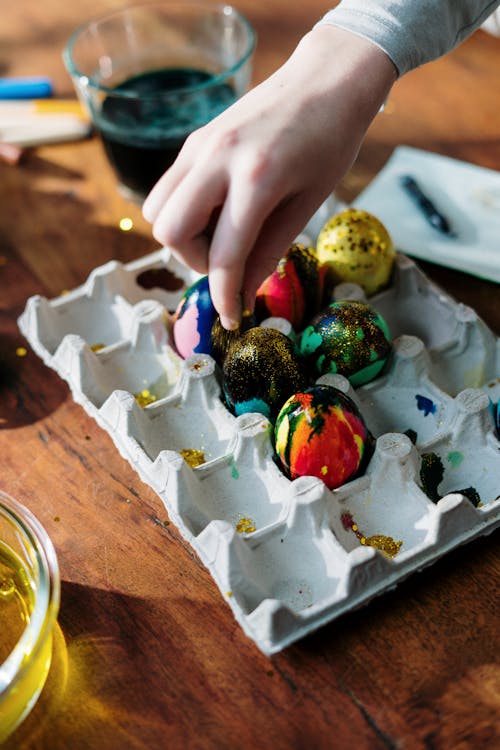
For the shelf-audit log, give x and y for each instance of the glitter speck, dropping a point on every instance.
(196, 366)
(144, 398)
(21, 351)
(386, 544)
(126, 224)
(245, 526)
(97, 347)
(193, 457)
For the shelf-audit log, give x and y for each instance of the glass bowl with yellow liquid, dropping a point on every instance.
(29, 604)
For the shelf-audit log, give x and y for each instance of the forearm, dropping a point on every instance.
(411, 32)
(342, 71)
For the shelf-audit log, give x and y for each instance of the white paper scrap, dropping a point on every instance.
(466, 194)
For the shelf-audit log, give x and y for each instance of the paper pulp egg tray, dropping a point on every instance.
(289, 556)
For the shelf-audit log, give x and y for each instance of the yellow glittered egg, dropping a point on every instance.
(357, 248)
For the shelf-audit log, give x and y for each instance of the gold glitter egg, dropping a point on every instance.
(261, 370)
(357, 248)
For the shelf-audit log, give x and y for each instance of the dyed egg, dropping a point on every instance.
(294, 291)
(357, 248)
(194, 319)
(222, 339)
(349, 338)
(260, 371)
(320, 432)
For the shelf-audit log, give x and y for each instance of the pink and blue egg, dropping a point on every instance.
(194, 319)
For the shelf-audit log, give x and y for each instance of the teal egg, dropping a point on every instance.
(349, 338)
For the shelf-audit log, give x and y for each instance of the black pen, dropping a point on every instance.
(429, 210)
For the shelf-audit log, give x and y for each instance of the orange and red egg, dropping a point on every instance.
(294, 290)
(320, 432)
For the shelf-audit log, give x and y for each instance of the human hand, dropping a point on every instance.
(245, 184)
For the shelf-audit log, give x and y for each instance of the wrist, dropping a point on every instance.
(337, 60)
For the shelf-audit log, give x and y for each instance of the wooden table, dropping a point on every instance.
(151, 653)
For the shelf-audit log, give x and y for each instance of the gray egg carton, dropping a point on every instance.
(280, 551)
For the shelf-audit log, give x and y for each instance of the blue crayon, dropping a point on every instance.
(26, 87)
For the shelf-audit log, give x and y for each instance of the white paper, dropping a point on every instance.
(468, 195)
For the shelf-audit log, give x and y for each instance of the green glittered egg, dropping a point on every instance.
(260, 371)
(349, 338)
(357, 248)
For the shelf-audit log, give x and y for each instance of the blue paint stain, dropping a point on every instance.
(426, 405)
(495, 414)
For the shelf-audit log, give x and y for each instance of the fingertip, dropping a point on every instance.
(161, 192)
(230, 324)
(155, 199)
(224, 290)
(147, 210)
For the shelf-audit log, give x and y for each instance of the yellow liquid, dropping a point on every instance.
(16, 600)
(16, 605)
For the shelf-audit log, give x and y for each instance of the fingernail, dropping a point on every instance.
(228, 323)
(232, 321)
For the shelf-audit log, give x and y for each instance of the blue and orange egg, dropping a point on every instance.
(320, 432)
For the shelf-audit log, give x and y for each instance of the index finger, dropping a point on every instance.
(243, 213)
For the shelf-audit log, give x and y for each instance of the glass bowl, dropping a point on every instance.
(29, 604)
(150, 74)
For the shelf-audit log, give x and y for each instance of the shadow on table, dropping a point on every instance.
(29, 390)
(125, 669)
(81, 697)
(43, 204)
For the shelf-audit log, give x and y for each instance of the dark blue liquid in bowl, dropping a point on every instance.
(142, 135)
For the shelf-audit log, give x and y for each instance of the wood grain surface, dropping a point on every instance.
(147, 653)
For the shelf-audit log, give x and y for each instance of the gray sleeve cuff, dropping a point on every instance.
(411, 33)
